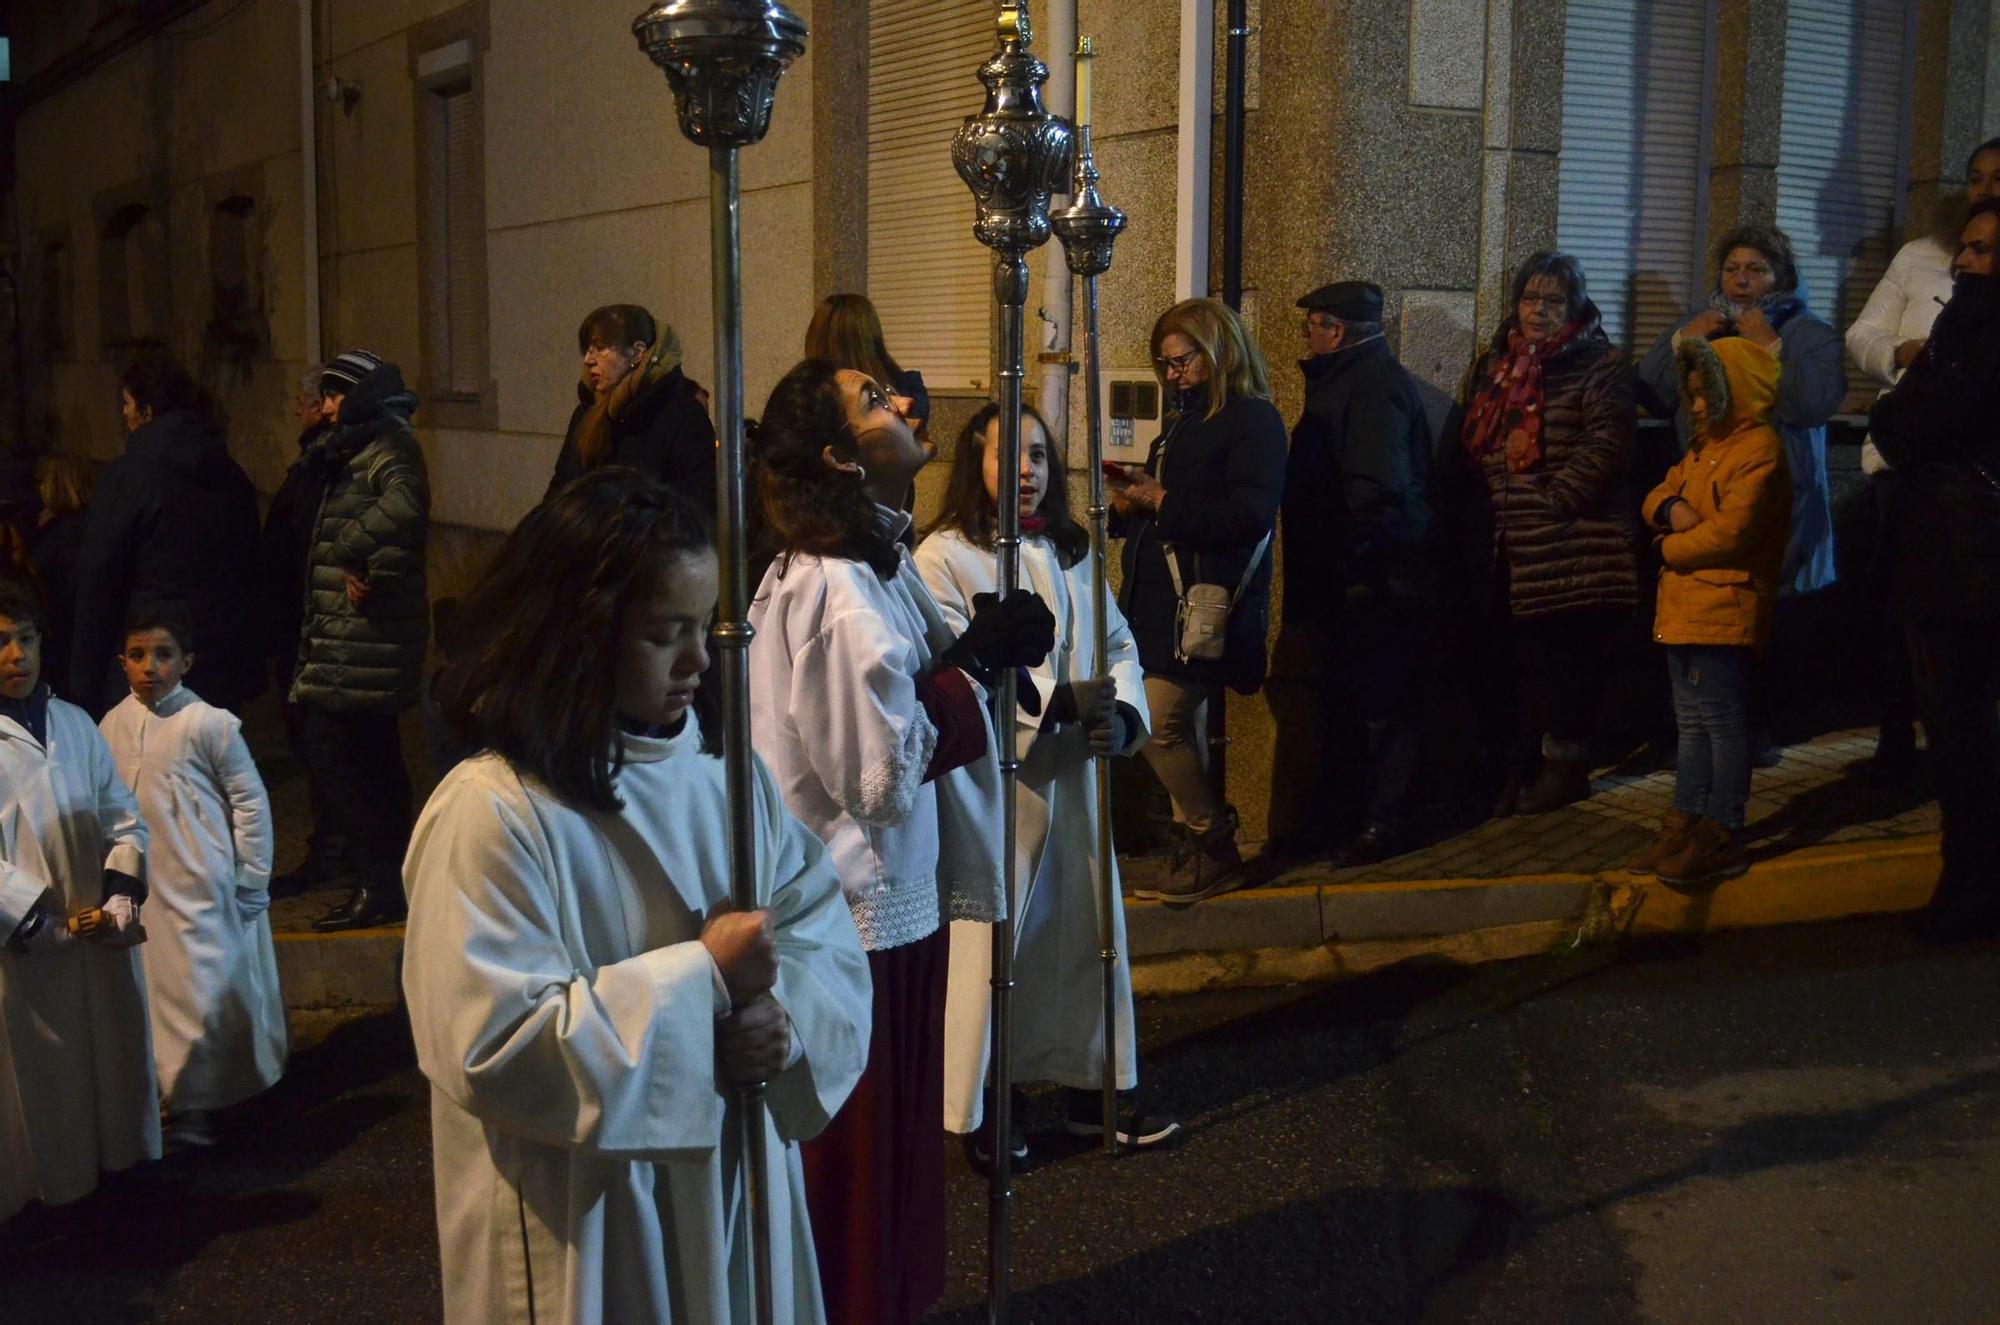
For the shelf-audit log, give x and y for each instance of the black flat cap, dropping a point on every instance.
(1350, 301)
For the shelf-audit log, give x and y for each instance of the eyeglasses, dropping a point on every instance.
(1321, 322)
(1177, 363)
(1548, 303)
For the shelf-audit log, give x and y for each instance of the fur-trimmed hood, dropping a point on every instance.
(1739, 384)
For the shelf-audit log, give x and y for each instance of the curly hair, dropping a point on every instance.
(968, 509)
(801, 504)
(1235, 367)
(1773, 243)
(1564, 269)
(533, 670)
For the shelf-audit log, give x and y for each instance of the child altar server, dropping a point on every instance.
(218, 1018)
(76, 1070)
(583, 997)
(1058, 998)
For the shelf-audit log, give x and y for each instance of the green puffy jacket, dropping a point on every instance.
(374, 523)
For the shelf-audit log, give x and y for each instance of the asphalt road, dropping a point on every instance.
(1785, 1126)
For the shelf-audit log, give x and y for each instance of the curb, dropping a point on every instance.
(1319, 931)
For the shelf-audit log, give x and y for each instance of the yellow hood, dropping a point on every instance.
(1740, 381)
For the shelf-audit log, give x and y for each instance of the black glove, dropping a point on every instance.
(118, 883)
(1016, 632)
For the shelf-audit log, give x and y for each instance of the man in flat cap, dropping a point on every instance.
(1358, 551)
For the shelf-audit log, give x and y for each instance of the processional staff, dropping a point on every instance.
(723, 59)
(1088, 228)
(1013, 155)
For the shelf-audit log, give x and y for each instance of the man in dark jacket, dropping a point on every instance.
(636, 408)
(1357, 541)
(365, 632)
(174, 520)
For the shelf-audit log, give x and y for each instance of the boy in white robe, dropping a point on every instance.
(219, 1034)
(584, 1000)
(76, 1069)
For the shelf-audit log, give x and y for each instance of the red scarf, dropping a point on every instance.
(1508, 409)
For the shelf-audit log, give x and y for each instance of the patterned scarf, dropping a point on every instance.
(1508, 409)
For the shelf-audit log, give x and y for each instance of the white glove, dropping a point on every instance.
(123, 914)
(115, 924)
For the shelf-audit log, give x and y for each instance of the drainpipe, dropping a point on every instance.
(1235, 93)
(1197, 114)
(1059, 96)
(309, 181)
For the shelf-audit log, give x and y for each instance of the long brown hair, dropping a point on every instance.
(1235, 367)
(968, 509)
(801, 505)
(65, 483)
(847, 332)
(534, 646)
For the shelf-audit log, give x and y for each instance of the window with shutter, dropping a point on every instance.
(928, 277)
(464, 240)
(447, 67)
(1842, 143)
(1633, 172)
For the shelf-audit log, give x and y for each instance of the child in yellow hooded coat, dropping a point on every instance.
(1722, 516)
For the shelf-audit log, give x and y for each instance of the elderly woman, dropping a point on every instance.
(1541, 502)
(1201, 514)
(1757, 294)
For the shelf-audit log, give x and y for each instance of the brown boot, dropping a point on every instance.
(1669, 841)
(1711, 854)
(1208, 864)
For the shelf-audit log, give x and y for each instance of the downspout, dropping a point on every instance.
(309, 181)
(1059, 95)
(1197, 114)
(1235, 94)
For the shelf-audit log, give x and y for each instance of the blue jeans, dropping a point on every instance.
(1712, 709)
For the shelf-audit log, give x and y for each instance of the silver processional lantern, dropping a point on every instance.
(1088, 228)
(723, 59)
(1013, 155)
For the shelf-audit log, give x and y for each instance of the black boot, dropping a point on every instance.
(365, 908)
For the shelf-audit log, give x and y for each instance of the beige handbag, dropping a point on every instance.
(1202, 619)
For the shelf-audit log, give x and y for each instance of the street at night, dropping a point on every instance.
(1782, 1125)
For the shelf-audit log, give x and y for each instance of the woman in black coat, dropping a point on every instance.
(636, 408)
(65, 483)
(1205, 506)
(1940, 428)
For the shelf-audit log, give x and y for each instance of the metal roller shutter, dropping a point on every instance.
(1842, 145)
(1633, 172)
(928, 277)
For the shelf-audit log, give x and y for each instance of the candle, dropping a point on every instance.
(1086, 55)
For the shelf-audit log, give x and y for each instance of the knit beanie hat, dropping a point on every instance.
(346, 372)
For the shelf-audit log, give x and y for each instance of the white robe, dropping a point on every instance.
(76, 1070)
(564, 1012)
(1058, 972)
(219, 1033)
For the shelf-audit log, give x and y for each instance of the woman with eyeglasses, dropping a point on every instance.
(1536, 482)
(1201, 513)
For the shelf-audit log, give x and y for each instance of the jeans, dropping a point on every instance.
(1712, 708)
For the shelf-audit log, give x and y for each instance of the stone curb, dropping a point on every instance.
(1317, 933)
(1323, 931)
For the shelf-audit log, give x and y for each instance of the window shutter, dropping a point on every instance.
(930, 280)
(1840, 146)
(1634, 163)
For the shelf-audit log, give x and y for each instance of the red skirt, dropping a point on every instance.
(875, 1176)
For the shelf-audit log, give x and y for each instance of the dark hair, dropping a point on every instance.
(1984, 207)
(1565, 269)
(847, 331)
(1990, 145)
(969, 510)
(801, 505)
(535, 643)
(1773, 243)
(159, 615)
(20, 602)
(158, 383)
(620, 326)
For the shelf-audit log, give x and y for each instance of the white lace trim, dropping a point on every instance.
(889, 789)
(891, 917)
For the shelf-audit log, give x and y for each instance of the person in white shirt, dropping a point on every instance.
(874, 721)
(1078, 717)
(1893, 326)
(583, 995)
(219, 1033)
(75, 1057)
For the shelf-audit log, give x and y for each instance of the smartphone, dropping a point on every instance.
(1112, 469)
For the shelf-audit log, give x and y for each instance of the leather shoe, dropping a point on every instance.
(1371, 845)
(365, 908)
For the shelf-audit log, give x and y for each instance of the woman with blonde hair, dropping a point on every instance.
(1201, 513)
(846, 331)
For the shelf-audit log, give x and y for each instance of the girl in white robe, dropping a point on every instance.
(581, 993)
(76, 1068)
(1058, 995)
(219, 1034)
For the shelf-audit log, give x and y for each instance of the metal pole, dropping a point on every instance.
(1234, 92)
(723, 59)
(1088, 228)
(1012, 155)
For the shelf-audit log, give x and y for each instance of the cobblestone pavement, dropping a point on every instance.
(1815, 795)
